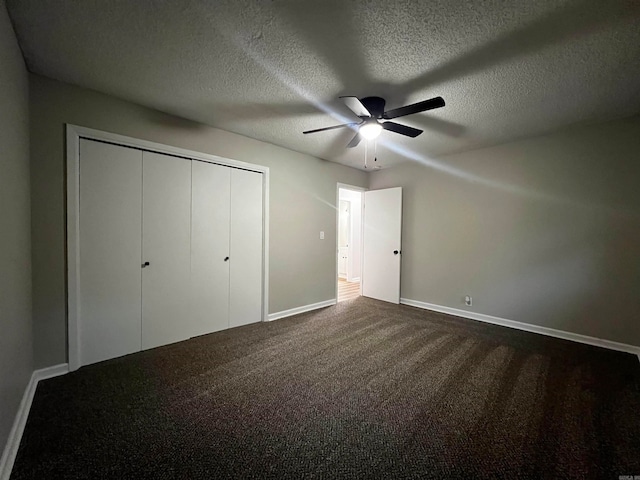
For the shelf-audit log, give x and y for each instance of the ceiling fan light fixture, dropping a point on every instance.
(370, 130)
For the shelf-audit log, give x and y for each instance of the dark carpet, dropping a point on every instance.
(363, 389)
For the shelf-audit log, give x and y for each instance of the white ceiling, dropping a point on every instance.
(271, 69)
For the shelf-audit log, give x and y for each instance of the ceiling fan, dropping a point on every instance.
(371, 112)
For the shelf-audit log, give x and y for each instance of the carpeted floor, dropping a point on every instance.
(363, 389)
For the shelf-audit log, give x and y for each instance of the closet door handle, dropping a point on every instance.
(226, 258)
(145, 264)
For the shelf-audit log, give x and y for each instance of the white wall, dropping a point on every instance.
(16, 362)
(302, 200)
(544, 231)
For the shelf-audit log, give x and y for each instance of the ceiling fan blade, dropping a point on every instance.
(356, 106)
(355, 141)
(331, 128)
(401, 129)
(430, 104)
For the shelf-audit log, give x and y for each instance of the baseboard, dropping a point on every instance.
(304, 308)
(13, 442)
(527, 327)
(51, 372)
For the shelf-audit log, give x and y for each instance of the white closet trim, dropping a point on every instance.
(74, 134)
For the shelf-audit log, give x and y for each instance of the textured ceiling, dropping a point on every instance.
(271, 69)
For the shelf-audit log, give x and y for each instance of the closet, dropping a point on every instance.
(169, 248)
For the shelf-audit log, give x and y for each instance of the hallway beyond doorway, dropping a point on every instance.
(347, 290)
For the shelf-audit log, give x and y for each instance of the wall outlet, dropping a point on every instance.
(468, 300)
(321, 235)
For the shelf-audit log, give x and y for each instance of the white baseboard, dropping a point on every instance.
(51, 372)
(527, 327)
(304, 308)
(15, 436)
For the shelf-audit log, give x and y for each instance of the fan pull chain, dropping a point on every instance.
(375, 150)
(365, 153)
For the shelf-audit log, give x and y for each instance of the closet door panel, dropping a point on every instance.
(166, 232)
(210, 247)
(110, 251)
(245, 297)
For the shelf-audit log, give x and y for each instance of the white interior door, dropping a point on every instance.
(343, 259)
(355, 240)
(245, 282)
(382, 244)
(210, 212)
(166, 232)
(110, 251)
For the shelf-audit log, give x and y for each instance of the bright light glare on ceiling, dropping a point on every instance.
(370, 130)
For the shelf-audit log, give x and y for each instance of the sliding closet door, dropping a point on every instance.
(110, 251)
(245, 297)
(210, 247)
(166, 232)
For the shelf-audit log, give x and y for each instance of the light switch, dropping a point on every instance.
(321, 235)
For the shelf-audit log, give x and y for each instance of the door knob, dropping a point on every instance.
(395, 252)
(226, 258)
(145, 264)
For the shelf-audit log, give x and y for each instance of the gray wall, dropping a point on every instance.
(544, 231)
(302, 200)
(15, 252)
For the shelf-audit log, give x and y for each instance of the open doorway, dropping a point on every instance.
(349, 242)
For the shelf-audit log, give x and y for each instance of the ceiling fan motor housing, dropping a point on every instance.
(375, 105)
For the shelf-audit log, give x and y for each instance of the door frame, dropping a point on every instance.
(73, 135)
(361, 190)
